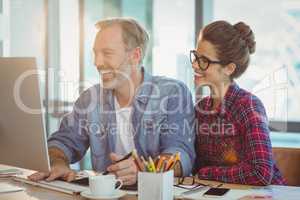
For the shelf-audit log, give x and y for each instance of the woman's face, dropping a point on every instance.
(214, 75)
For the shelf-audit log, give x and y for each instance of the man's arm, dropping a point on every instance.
(179, 135)
(69, 144)
(73, 137)
(57, 156)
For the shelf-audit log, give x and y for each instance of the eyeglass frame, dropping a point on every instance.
(181, 180)
(209, 61)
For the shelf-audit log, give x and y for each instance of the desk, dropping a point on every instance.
(38, 193)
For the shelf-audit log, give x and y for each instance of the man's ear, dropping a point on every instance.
(136, 55)
(229, 69)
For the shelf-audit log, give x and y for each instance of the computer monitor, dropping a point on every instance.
(23, 141)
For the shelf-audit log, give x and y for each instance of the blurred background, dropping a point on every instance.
(60, 34)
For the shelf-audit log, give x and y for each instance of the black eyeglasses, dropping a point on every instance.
(203, 62)
(188, 183)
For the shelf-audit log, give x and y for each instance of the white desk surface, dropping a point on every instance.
(37, 193)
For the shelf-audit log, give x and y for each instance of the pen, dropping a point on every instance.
(124, 158)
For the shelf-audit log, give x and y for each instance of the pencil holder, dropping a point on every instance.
(158, 186)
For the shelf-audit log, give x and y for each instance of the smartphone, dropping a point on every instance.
(82, 181)
(216, 192)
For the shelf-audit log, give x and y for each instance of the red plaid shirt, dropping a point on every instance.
(233, 143)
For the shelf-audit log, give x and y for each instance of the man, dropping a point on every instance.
(129, 110)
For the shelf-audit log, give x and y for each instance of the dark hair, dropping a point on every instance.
(234, 43)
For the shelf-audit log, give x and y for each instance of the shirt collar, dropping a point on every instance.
(145, 89)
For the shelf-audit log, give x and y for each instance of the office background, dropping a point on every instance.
(60, 34)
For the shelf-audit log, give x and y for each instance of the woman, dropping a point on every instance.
(233, 143)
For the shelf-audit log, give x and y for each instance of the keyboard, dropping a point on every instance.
(58, 185)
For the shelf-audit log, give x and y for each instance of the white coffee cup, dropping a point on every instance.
(104, 185)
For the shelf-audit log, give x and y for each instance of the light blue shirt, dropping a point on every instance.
(162, 119)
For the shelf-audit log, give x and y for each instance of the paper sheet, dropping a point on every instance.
(6, 188)
(233, 194)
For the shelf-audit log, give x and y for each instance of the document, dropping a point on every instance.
(6, 188)
(9, 172)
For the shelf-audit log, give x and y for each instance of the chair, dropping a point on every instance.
(288, 162)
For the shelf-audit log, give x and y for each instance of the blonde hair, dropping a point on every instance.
(134, 35)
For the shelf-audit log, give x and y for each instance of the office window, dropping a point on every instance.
(1, 29)
(62, 53)
(1, 7)
(173, 38)
(1, 48)
(274, 72)
(22, 32)
(4, 27)
(92, 13)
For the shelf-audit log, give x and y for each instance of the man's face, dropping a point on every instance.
(112, 59)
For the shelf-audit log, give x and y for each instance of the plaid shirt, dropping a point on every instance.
(233, 143)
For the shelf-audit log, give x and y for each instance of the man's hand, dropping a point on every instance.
(57, 171)
(125, 170)
(59, 168)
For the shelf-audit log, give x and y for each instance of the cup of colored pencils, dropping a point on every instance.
(162, 163)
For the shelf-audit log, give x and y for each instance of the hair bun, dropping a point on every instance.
(247, 35)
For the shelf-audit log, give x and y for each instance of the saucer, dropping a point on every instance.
(87, 194)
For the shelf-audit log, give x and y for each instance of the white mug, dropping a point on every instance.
(104, 185)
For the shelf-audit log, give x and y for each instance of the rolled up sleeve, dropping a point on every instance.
(72, 136)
